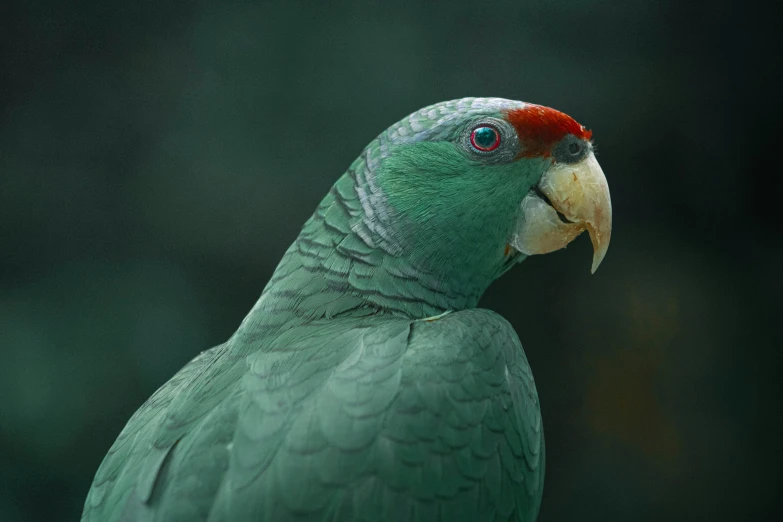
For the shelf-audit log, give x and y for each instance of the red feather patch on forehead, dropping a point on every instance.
(539, 128)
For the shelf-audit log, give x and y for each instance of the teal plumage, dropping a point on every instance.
(364, 384)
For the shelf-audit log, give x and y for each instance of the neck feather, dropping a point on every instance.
(348, 260)
(346, 267)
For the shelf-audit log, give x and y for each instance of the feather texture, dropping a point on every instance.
(337, 399)
(379, 419)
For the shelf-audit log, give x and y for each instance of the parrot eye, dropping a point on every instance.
(489, 140)
(485, 138)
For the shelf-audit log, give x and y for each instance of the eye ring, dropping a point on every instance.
(489, 140)
(485, 138)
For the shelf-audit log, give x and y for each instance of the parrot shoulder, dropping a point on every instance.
(433, 419)
(370, 419)
(131, 470)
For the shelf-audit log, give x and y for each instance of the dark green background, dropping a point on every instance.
(156, 159)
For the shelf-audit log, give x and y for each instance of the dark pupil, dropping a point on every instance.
(485, 137)
(574, 148)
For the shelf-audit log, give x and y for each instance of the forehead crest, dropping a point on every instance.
(539, 128)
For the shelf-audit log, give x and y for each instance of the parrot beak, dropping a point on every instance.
(568, 200)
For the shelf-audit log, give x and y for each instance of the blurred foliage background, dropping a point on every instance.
(157, 158)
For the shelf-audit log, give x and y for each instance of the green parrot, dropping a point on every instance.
(365, 385)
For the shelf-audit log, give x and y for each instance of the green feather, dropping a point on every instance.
(336, 399)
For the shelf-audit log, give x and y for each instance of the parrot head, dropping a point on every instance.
(477, 184)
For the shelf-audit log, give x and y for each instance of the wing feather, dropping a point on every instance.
(375, 420)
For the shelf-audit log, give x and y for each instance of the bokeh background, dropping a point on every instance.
(157, 158)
